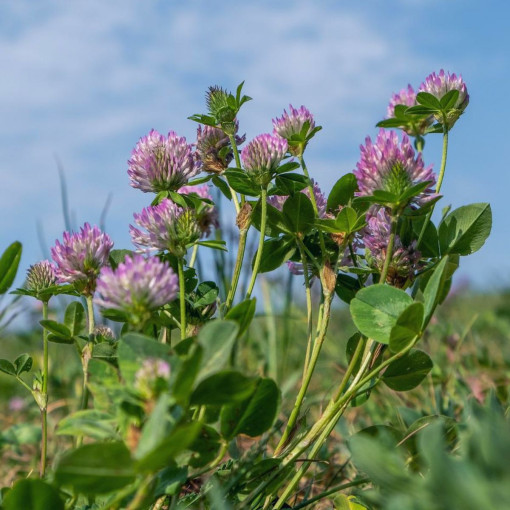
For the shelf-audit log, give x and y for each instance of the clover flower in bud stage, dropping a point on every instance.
(290, 125)
(405, 260)
(391, 166)
(207, 215)
(151, 379)
(213, 149)
(439, 84)
(277, 201)
(262, 156)
(168, 227)
(137, 287)
(80, 257)
(104, 332)
(41, 276)
(161, 163)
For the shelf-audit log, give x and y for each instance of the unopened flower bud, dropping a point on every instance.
(41, 276)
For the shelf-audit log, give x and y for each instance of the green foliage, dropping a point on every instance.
(32, 495)
(9, 262)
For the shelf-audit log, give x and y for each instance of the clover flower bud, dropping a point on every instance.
(41, 276)
(206, 214)
(262, 156)
(291, 124)
(152, 378)
(213, 149)
(161, 163)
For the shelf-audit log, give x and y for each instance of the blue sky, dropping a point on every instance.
(81, 81)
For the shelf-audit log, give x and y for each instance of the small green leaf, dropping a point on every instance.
(60, 330)
(287, 167)
(465, 230)
(225, 387)
(346, 287)
(96, 468)
(7, 367)
(240, 181)
(274, 253)
(163, 454)
(243, 314)
(32, 494)
(428, 100)
(407, 327)
(9, 263)
(118, 256)
(254, 415)
(420, 110)
(449, 100)
(90, 423)
(205, 447)
(434, 289)
(291, 183)
(298, 213)
(74, 318)
(407, 372)
(342, 192)
(375, 310)
(23, 363)
(217, 339)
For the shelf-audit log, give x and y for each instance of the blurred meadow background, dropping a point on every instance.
(82, 81)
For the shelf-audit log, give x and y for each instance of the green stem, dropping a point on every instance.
(258, 258)
(389, 249)
(308, 376)
(442, 171)
(312, 199)
(140, 494)
(243, 234)
(193, 256)
(235, 150)
(44, 410)
(309, 313)
(182, 297)
(331, 491)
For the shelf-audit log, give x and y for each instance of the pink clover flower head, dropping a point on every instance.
(290, 124)
(405, 260)
(137, 286)
(213, 149)
(406, 97)
(392, 166)
(41, 276)
(207, 215)
(262, 156)
(277, 201)
(439, 84)
(161, 163)
(168, 227)
(80, 257)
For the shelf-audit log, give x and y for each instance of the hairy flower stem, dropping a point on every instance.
(44, 410)
(182, 297)
(313, 200)
(193, 256)
(258, 258)
(235, 150)
(243, 234)
(439, 180)
(309, 313)
(389, 249)
(86, 354)
(328, 297)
